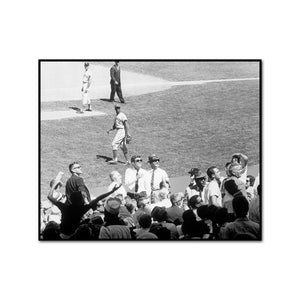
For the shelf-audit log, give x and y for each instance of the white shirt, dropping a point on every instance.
(143, 183)
(87, 76)
(213, 190)
(159, 176)
(119, 120)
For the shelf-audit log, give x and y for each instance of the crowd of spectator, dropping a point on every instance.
(142, 206)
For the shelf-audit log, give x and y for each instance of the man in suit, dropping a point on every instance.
(115, 82)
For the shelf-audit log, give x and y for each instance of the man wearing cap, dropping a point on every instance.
(157, 178)
(122, 128)
(115, 82)
(136, 177)
(192, 190)
(86, 83)
(114, 227)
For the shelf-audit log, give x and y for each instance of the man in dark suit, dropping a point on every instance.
(115, 82)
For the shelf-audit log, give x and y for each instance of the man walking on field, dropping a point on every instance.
(121, 125)
(115, 82)
(86, 83)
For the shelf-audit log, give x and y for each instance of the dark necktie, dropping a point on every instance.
(136, 187)
(152, 184)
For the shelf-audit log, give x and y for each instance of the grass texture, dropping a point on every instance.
(186, 126)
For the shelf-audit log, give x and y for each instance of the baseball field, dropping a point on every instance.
(191, 114)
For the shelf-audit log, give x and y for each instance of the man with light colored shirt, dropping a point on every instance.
(86, 83)
(213, 193)
(122, 128)
(157, 178)
(136, 177)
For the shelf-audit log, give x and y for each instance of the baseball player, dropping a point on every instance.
(120, 139)
(86, 83)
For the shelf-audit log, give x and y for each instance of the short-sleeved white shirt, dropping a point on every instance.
(159, 176)
(87, 76)
(119, 120)
(213, 190)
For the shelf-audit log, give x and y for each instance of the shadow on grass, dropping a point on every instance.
(107, 159)
(105, 100)
(75, 108)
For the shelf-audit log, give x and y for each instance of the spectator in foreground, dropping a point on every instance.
(242, 160)
(254, 209)
(192, 190)
(242, 225)
(213, 192)
(72, 213)
(114, 228)
(175, 212)
(116, 179)
(143, 233)
(249, 187)
(159, 214)
(157, 178)
(136, 178)
(231, 190)
(76, 184)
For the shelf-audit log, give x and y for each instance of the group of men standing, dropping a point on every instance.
(140, 183)
(115, 84)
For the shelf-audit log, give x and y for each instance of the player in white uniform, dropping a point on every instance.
(121, 125)
(86, 83)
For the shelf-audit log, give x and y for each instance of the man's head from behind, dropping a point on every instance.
(240, 206)
(145, 221)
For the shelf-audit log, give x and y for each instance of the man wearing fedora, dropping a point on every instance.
(157, 178)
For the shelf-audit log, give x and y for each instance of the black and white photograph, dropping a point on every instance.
(99, 96)
(150, 150)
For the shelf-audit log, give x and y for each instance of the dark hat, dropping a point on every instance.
(199, 174)
(193, 171)
(86, 64)
(117, 105)
(112, 205)
(152, 157)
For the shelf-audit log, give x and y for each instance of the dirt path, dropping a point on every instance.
(61, 81)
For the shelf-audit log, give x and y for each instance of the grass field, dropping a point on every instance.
(187, 126)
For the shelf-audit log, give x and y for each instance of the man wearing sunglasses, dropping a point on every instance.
(158, 178)
(136, 177)
(76, 184)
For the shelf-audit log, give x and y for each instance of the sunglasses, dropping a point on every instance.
(155, 160)
(77, 167)
(138, 160)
